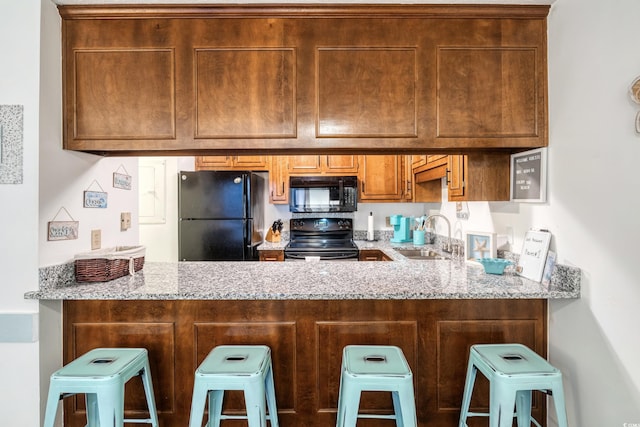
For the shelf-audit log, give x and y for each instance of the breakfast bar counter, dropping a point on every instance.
(400, 278)
(306, 312)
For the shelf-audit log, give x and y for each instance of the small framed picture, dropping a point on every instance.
(478, 244)
(529, 176)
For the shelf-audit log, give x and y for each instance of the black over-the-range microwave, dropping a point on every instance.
(323, 193)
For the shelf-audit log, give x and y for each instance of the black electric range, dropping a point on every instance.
(323, 238)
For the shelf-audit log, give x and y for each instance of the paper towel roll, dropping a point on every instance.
(370, 226)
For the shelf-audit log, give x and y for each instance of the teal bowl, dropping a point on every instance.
(494, 265)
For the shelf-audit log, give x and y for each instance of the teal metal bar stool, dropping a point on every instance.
(375, 368)
(235, 367)
(513, 371)
(100, 375)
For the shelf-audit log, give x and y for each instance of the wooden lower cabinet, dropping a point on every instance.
(271, 255)
(372, 255)
(306, 338)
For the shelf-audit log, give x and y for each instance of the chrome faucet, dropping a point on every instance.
(447, 246)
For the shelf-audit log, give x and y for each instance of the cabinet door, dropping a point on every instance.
(418, 160)
(381, 178)
(479, 177)
(341, 164)
(278, 181)
(409, 181)
(120, 94)
(373, 255)
(304, 164)
(492, 92)
(456, 177)
(214, 162)
(251, 163)
(271, 255)
(432, 158)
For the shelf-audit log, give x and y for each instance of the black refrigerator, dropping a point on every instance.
(220, 215)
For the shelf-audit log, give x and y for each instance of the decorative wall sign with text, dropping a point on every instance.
(11, 143)
(122, 180)
(62, 230)
(95, 199)
(529, 176)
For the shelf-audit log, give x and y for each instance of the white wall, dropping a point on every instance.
(19, 80)
(593, 58)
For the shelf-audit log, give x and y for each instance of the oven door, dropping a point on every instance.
(326, 250)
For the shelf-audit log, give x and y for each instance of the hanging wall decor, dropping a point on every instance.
(122, 180)
(11, 134)
(529, 176)
(634, 93)
(95, 199)
(62, 230)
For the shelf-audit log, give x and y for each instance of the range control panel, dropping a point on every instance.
(321, 224)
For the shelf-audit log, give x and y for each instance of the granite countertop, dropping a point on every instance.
(401, 278)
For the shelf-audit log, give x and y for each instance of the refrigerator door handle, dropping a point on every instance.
(246, 188)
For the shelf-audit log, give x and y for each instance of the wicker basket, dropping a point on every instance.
(107, 264)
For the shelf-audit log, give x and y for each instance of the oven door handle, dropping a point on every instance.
(323, 257)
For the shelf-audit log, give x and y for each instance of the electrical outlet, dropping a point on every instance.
(125, 221)
(96, 239)
(461, 212)
(509, 232)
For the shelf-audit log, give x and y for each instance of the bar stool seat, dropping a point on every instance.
(235, 367)
(101, 375)
(375, 368)
(513, 371)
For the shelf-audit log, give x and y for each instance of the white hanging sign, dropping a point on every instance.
(95, 199)
(62, 230)
(122, 180)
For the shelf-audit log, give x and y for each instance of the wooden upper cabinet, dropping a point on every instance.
(479, 177)
(491, 84)
(304, 164)
(488, 92)
(456, 182)
(382, 178)
(251, 163)
(121, 95)
(366, 92)
(303, 79)
(278, 181)
(245, 92)
(342, 165)
(322, 165)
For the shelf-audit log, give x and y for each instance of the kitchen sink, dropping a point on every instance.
(421, 254)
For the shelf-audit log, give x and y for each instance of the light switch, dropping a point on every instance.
(125, 221)
(96, 239)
